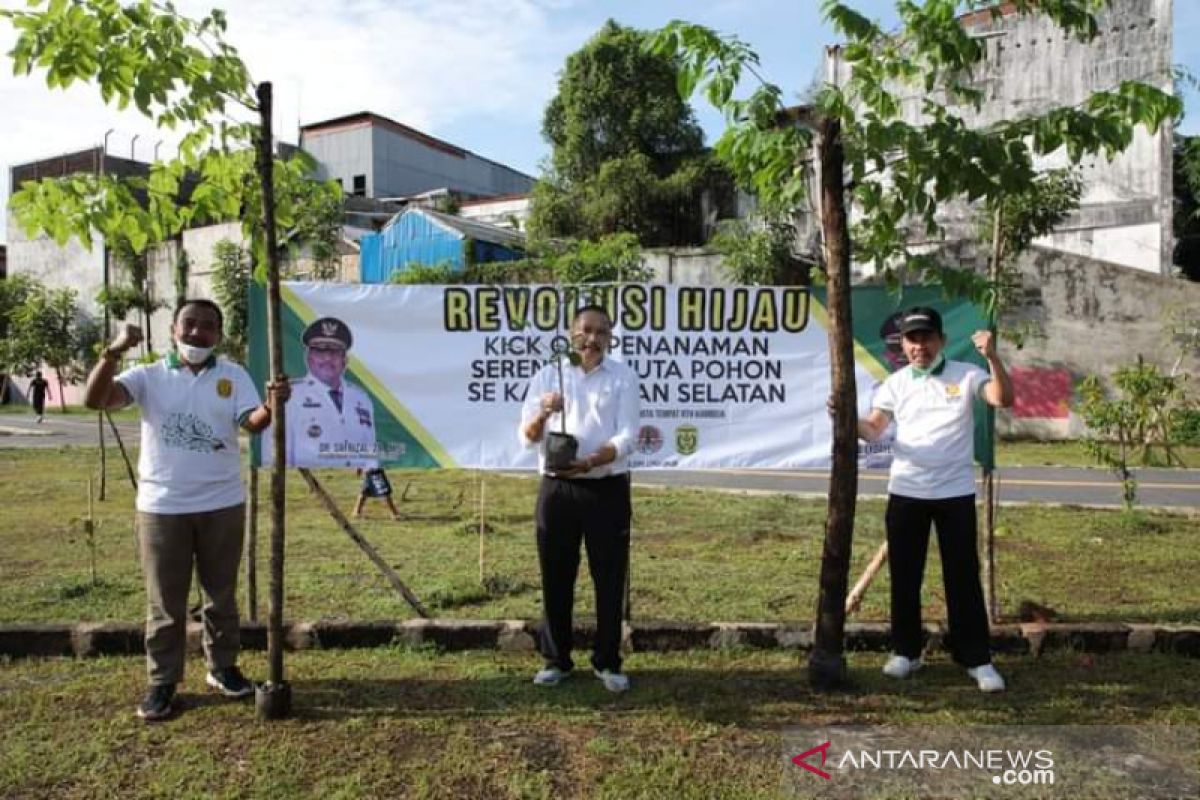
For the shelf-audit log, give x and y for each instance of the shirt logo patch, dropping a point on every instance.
(310, 402)
(225, 388)
(364, 415)
(314, 431)
(953, 391)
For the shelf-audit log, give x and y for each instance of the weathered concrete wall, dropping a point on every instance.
(1030, 67)
(1094, 317)
(696, 266)
(71, 266)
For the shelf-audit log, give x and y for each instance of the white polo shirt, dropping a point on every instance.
(190, 460)
(934, 449)
(602, 407)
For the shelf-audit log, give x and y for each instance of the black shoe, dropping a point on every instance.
(230, 682)
(158, 702)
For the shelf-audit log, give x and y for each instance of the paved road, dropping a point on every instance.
(1174, 488)
(21, 430)
(1168, 488)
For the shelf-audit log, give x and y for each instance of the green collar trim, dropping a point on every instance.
(175, 362)
(936, 368)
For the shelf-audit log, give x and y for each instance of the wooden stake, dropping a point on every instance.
(854, 599)
(252, 548)
(482, 523)
(103, 458)
(363, 544)
(121, 446)
(89, 530)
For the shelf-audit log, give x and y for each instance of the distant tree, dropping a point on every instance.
(1009, 223)
(758, 254)
(15, 357)
(231, 272)
(628, 155)
(47, 327)
(1186, 215)
(610, 259)
(132, 290)
(615, 99)
(182, 268)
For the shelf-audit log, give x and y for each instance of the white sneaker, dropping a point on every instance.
(550, 676)
(613, 681)
(899, 666)
(987, 678)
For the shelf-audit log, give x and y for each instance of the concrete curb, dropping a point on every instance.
(118, 638)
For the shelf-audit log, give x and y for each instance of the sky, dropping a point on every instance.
(476, 73)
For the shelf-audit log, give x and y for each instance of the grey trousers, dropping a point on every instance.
(170, 545)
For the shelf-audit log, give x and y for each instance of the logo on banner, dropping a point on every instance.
(649, 440)
(224, 387)
(687, 439)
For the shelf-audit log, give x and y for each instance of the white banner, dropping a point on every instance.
(731, 376)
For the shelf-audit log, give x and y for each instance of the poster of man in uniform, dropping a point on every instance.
(432, 376)
(330, 419)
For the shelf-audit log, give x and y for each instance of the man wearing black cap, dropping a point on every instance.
(330, 421)
(933, 481)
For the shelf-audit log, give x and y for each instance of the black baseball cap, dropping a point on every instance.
(921, 318)
(328, 332)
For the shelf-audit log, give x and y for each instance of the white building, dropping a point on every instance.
(373, 156)
(1032, 66)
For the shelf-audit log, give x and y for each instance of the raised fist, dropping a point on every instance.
(129, 336)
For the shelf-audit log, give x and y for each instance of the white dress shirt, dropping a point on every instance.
(602, 407)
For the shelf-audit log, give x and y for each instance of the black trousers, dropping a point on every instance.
(908, 520)
(598, 513)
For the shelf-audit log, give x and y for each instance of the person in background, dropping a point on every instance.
(39, 391)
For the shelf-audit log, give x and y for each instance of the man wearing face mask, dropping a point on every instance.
(330, 421)
(190, 498)
(933, 481)
(588, 502)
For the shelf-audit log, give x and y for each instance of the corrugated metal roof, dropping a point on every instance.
(371, 118)
(479, 231)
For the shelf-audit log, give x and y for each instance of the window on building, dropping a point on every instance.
(360, 185)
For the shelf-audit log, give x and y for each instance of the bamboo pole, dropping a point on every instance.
(121, 446)
(363, 544)
(854, 598)
(252, 547)
(89, 530)
(103, 459)
(989, 482)
(482, 525)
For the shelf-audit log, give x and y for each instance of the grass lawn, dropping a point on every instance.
(697, 555)
(416, 723)
(1027, 453)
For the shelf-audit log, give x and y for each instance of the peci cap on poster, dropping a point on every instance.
(328, 333)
